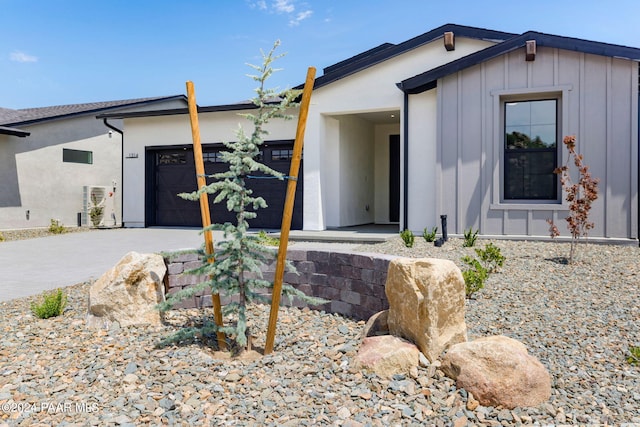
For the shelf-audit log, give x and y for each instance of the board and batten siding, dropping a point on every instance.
(598, 103)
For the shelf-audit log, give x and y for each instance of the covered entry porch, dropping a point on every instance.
(360, 157)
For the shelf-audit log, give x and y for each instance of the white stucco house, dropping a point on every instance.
(51, 158)
(459, 121)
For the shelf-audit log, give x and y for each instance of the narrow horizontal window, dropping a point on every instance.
(77, 156)
(212, 157)
(281, 155)
(171, 158)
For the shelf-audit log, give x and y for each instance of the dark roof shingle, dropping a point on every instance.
(33, 115)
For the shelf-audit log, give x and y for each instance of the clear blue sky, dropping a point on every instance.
(75, 51)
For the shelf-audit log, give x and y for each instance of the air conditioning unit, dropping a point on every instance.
(98, 202)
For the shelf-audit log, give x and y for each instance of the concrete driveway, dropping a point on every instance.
(28, 267)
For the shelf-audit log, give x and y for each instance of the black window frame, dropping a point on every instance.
(84, 157)
(526, 156)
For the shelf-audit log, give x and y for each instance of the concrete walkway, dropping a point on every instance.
(29, 267)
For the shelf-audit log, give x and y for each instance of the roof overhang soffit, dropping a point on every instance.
(13, 132)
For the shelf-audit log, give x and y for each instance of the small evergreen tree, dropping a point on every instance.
(235, 269)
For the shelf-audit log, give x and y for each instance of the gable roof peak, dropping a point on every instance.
(387, 51)
(428, 80)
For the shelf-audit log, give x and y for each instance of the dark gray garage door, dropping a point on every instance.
(171, 171)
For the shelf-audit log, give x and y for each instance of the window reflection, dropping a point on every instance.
(530, 124)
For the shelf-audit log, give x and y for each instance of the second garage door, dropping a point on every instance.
(171, 171)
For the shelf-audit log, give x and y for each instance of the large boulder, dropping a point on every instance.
(499, 372)
(426, 303)
(387, 355)
(129, 292)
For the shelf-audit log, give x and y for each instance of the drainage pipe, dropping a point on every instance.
(405, 201)
(121, 132)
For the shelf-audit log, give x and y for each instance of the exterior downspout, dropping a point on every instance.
(121, 132)
(405, 131)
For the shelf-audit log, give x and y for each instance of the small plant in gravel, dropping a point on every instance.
(235, 268)
(56, 227)
(429, 236)
(408, 238)
(489, 260)
(1, 237)
(52, 305)
(634, 355)
(470, 237)
(474, 275)
(491, 257)
(580, 196)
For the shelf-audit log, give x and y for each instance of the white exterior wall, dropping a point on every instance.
(422, 162)
(371, 90)
(356, 188)
(161, 131)
(330, 155)
(35, 178)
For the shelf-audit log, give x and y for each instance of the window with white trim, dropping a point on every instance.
(530, 150)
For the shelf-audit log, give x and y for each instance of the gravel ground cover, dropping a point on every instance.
(579, 320)
(33, 233)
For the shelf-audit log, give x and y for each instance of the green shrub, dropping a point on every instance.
(265, 239)
(56, 227)
(96, 213)
(53, 304)
(474, 276)
(1, 238)
(634, 355)
(491, 257)
(408, 238)
(470, 237)
(429, 236)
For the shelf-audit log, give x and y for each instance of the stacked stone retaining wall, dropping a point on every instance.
(352, 283)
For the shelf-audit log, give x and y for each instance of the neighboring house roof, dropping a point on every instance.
(7, 115)
(244, 105)
(175, 111)
(29, 116)
(428, 80)
(388, 50)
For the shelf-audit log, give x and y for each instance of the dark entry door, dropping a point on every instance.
(394, 178)
(172, 171)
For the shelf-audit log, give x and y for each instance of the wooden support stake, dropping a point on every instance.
(288, 209)
(204, 202)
